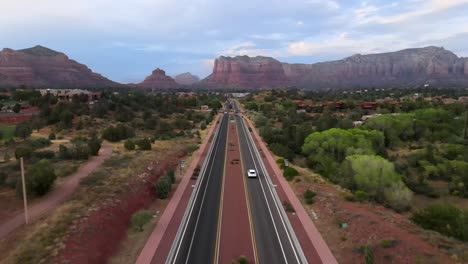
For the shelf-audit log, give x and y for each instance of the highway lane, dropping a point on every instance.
(197, 241)
(275, 239)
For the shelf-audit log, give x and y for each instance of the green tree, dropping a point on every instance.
(377, 177)
(23, 130)
(326, 150)
(94, 145)
(40, 177)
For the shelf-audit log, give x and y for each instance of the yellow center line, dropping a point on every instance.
(220, 210)
(249, 210)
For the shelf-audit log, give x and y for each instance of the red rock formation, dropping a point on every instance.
(186, 78)
(158, 80)
(402, 68)
(43, 67)
(246, 72)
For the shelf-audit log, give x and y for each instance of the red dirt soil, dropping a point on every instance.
(367, 224)
(57, 196)
(97, 237)
(235, 237)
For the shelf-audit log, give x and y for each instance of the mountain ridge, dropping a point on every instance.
(407, 67)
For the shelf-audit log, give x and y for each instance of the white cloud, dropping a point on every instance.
(344, 45)
(326, 3)
(368, 14)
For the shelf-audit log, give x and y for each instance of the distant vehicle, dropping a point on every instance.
(251, 173)
(225, 112)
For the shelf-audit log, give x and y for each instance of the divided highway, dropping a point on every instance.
(197, 238)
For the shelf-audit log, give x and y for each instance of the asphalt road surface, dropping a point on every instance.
(198, 241)
(274, 240)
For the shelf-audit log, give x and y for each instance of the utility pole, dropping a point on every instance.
(25, 201)
(464, 127)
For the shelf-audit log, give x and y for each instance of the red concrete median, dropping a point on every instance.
(235, 237)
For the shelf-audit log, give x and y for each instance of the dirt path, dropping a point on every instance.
(57, 195)
(235, 233)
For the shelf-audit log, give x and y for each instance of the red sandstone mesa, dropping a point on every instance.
(42, 67)
(408, 67)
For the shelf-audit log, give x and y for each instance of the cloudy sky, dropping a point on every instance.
(126, 39)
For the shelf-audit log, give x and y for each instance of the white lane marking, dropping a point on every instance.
(188, 213)
(280, 212)
(266, 200)
(201, 206)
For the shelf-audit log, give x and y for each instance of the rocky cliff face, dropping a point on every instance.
(158, 80)
(42, 67)
(407, 67)
(186, 78)
(246, 72)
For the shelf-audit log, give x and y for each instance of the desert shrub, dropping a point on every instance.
(52, 136)
(163, 187)
(39, 143)
(94, 145)
(280, 162)
(117, 133)
(350, 197)
(309, 196)
(288, 207)
(129, 145)
(95, 179)
(388, 243)
(240, 260)
(45, 154)
(361, 196)
(368, 253)
(203, 125)
(171, 174)
(140, 219)
(289, 173)
(63, 171)
(39, 178)
(192, 147)
(80, 151)
(144, 144)
(445, 219)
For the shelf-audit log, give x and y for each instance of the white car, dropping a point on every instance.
(251, 174)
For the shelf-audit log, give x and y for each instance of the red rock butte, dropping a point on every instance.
(158, 79)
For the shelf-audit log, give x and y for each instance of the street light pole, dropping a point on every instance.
(25, 201)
